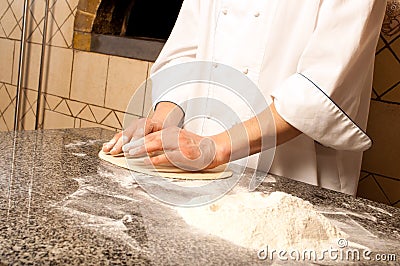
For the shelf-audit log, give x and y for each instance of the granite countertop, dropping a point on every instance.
(60, 204)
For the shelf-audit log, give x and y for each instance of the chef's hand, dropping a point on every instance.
(166, 114)
(136, 130)
(180, 147)
(189, 151)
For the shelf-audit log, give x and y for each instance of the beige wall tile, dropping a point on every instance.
(396, 48)
(31, 66)
(8, 116)
(112, 120)
(99, 112)
(369, 189)
(15, 63)
(2, 33)
(60, 11)
(6, 96)
(28, 101)
(148, 104)
(87, 114)
(63, 108)
(67, 30)
(8, 22)
(3, 6)
(28, 121)
(75, 107)
(89, 77)
(37, 13)
(73, 4)
(15, 34)
(393, 95)
(57, 71)
(126, 119)
(53, 120)
(387, 71)
(52, 101)
(86, 124)
(17, 7)
(3, 126)
(6, 60)
(125, 84)
(36, 36)
(383, 128)
(7, 107)
(380, 44)
(390, 187)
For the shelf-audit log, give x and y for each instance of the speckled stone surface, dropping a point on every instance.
(61, 205)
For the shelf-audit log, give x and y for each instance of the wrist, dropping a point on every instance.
(168, 114)
(223, 149)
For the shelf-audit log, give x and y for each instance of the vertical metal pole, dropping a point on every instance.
(44, 37)
(20, 66)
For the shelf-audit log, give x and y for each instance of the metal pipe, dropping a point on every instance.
(20, 66)
(44, 37)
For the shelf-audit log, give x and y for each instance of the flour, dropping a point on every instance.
(255, 220)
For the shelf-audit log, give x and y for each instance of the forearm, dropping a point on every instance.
(252, 136)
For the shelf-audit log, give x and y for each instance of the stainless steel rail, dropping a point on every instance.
(20, 66)
(44, 37)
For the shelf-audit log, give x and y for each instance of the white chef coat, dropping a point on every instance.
(314, 58)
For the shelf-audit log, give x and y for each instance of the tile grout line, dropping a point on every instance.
(91, 104)
(372, 173)
(71, 76)
(382, 190)
(385, 101)
(390, 89)
(145, 89)
(106, 81)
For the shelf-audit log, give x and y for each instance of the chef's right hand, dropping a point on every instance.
(166, 114)
(136, 130)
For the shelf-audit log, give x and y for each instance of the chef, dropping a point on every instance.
(313, 59)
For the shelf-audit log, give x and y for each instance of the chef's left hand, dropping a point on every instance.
(180, 147)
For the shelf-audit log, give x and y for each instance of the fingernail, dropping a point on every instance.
(113, 150)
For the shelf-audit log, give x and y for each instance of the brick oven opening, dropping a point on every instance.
(129, 28)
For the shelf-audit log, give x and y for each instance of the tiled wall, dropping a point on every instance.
(380, 179)
(83, 89)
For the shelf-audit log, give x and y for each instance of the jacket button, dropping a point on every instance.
(224, 11)
(246, 71)
(257, 14)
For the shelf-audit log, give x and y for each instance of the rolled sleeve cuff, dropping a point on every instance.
(302, 104)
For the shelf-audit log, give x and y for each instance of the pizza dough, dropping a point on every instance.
(256, 220)
(137, 165)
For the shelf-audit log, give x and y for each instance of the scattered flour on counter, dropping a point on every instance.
(255, 220)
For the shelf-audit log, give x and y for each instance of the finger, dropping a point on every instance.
(157, 160)
(134, 147)
(125, 137)
(145, 145)
(146, 127)
(109, 145)
(172, 158)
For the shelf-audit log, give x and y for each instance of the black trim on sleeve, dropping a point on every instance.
(180, 124)
(334, 104)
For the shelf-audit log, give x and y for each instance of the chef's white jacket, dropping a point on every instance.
(314, 58)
